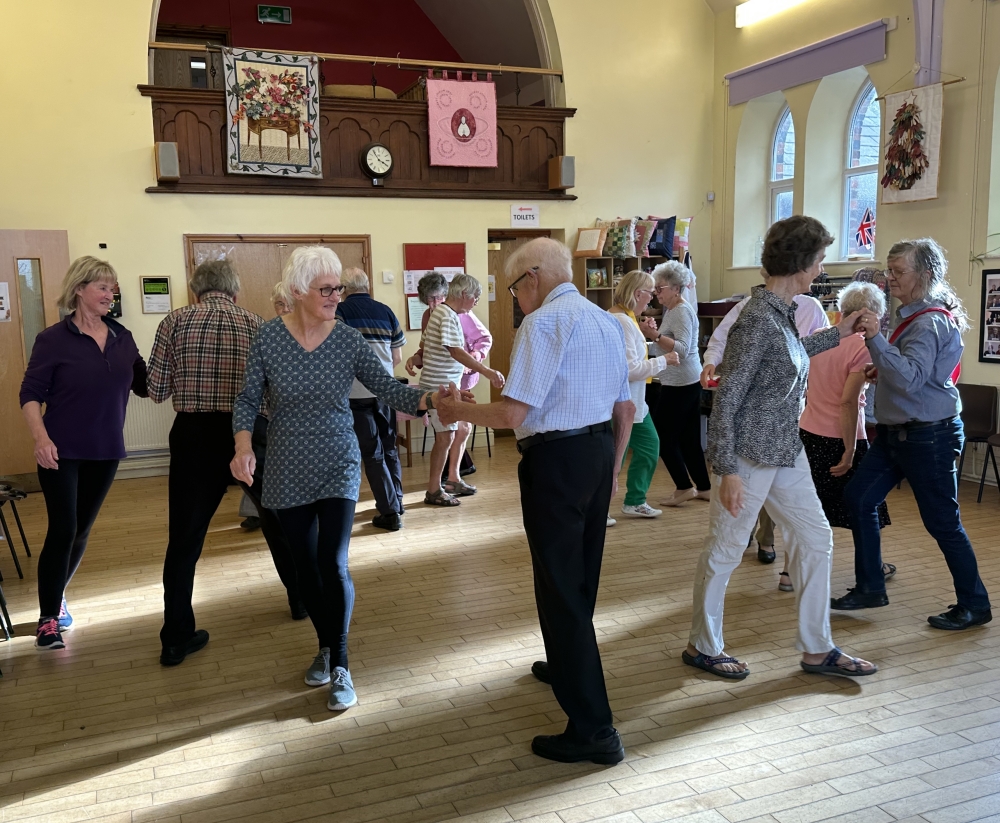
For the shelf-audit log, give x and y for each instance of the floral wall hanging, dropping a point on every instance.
(272, 101)
(912, 145)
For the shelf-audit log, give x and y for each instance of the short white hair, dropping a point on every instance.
(673, 273)
(464, 285)
(305, 265)
(354, 280)
(859, 296)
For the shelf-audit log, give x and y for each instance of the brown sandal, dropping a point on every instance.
(459, 488)
(440, 498)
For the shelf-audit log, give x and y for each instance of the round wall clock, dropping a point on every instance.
(376, 162)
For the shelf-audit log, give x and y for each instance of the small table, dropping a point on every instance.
(289, 127)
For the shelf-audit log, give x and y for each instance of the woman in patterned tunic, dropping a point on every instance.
(307, 360)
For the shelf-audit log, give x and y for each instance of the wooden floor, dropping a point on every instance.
(443, 636)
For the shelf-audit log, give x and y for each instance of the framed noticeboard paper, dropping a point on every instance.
(989, 340)
(156, 295)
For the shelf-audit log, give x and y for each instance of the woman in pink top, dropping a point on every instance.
(832, 427)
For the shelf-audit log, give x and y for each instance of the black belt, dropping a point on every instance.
(545, 437)
(916, 424)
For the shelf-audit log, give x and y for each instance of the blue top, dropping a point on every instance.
(378, 325)
(568, 364)
(312, 451)
(84, 390)
(914, 374)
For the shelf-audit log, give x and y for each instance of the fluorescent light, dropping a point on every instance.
(197, 64)
(753, 11)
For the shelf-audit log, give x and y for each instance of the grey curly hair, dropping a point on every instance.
(928, 260)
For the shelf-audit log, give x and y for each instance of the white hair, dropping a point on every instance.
(354, 280)
(305, 265)
(464, 285)
(673, 273)
(858, 296)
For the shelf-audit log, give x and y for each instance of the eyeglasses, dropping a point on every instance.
(894, 273)
(512, 288)
(327, 291)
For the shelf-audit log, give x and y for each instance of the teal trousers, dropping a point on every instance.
(645, 446)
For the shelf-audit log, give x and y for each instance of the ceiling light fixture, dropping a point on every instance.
(753, 11)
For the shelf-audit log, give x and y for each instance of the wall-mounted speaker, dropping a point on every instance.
(562, 172)
(168, 167)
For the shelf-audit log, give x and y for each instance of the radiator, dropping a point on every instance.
(147, 425)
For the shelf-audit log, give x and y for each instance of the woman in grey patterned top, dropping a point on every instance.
(755, 449)
(308, 361)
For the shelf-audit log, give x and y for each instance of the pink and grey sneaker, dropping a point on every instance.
(47, 635)
(65, 618)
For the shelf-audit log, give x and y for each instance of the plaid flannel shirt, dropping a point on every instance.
(200, 353)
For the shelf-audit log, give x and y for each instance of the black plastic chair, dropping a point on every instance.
(994, 440)
(8, 494)
(472, 445)
(979, 419)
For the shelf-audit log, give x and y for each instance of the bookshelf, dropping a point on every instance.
(607, 271)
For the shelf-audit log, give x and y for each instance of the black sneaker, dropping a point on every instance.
(251, 524)
(174, 655)
(47, 635)
(390, 522)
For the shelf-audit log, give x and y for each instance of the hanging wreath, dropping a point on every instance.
(905, 160)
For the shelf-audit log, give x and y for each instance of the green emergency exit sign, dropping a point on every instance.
(274, 14)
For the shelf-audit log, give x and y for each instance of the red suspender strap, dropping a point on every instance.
(902, 326)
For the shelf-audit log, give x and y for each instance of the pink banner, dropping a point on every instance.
(462, 122)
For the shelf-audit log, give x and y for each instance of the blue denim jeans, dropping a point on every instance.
(925, 457)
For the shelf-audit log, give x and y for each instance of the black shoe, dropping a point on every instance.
(540, 669)
(566, 749)
(390, 522)
(767, 558)
(251, 524)
(859, 600)
(958, 618)
(297, 607)
(174, 655)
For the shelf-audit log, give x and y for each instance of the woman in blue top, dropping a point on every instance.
(307, 361)
(81, 369)
(919, 433)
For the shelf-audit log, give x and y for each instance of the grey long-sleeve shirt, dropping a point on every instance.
(762, 382)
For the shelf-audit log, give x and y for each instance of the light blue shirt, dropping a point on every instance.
(568, 364)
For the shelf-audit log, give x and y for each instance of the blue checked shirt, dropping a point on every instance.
(568, 364)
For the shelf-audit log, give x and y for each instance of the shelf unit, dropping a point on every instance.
(612, 268)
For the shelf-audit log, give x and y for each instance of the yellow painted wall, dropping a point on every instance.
(958, 218)
(81, 155)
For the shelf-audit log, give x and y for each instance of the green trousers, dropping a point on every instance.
(645, 446)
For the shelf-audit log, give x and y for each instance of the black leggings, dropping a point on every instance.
(73, 496)
(319, 535)
(677, 418)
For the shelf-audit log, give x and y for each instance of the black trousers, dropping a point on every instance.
(320, 534)
(565, 493)
(375, 427)
(274, 535)
(73, 496)
(201, 448)
(677, 417)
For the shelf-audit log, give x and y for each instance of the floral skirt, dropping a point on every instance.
(824, 453)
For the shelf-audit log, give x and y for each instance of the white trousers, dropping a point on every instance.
(791, 500)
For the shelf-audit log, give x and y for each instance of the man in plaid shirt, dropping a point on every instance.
(198, 359)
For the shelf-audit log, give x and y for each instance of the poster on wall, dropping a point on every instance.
(462, 121)
(989, 339)
(912, 145)
(4, 303)
(447, 259)
(272, 106)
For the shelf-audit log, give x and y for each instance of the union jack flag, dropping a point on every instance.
(866, 231)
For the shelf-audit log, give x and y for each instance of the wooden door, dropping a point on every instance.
(260, 259)
(32, 267)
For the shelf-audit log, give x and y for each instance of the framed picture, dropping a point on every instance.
(590, 242)
(989, 341)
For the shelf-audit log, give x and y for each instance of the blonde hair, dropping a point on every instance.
(279, 292)
(464, 285)
(307, 263)
(354, 280)
(629, 285)
(82, 271)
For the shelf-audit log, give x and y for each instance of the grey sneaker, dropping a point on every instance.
(318, 674)
(342, 694)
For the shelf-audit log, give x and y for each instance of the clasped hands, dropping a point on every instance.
(448, 402)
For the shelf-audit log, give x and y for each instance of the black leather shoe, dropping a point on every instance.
(765, 557)
(390, 522)
(297, 607)
(251, 524)
(958, 618)
(565, 749)
(540, 669)
(174, 655)
(859, 600)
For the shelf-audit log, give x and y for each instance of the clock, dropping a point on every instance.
(376, 162)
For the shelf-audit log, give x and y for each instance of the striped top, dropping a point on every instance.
(444, 331)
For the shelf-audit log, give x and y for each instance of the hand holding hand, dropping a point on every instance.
(46, 454)
(731, 494)
(844, 466)
(869, 324)
(649, 328)
(673, 358)
(496, 379)
(447, 402)
(849, 324)
(707, 374)
(243, 466)
(871, 373)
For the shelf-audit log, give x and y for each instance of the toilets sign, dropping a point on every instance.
(525, 216)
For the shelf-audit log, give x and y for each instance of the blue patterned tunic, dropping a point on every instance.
(312, 451)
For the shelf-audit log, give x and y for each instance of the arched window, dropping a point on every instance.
(782, 168)
(861, 171)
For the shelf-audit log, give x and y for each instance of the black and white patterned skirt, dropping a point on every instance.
(824, 453)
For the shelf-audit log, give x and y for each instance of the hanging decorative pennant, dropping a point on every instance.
(913, 145)
(272, 101)
(462, 122)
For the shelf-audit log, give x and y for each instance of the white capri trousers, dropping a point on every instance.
(791, 500)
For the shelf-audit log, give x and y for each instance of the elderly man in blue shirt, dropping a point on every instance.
(568, 401)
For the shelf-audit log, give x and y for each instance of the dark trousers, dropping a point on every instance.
(375, 427)
(926, 458)
(274, 535)
(319, 534)
(201, 448)
(677, 418)
(73, 496)
(565, 493)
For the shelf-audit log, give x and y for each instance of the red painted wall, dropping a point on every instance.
(375, 27)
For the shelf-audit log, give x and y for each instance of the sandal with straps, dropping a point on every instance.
(440, 498)
(459, 488)
(708, 664)
(849, 667)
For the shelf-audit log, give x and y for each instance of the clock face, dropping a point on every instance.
(378, 160)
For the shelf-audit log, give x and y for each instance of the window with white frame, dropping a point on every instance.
(861, 174)
(782, 168)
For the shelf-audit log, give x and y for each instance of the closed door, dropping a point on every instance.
(32, 267)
